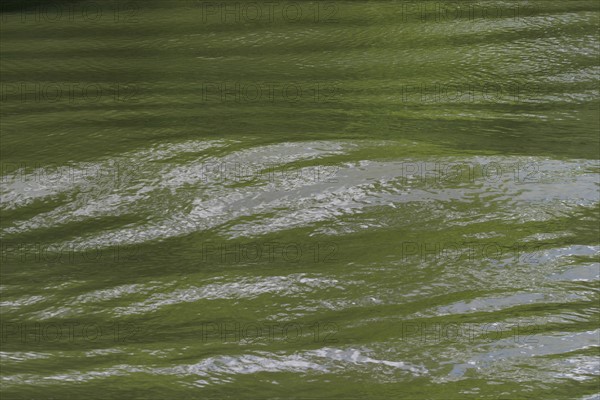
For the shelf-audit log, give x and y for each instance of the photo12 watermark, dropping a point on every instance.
(461, 10)
(462, 251)
(239, 172)
(20, 252)
(69, 92)
(120, 172)
(225, 331)
(469, 92)
(35, 12)
(103, 178)
(70, 332)
(233, 331)
(455, 172)
(268, 12)
(269, 92)
(261, 252)
(437, 332)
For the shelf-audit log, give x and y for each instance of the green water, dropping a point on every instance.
(366, 200)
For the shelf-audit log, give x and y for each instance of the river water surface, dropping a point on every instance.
(345, 200)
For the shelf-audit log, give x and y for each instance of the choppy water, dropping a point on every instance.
(301, 200)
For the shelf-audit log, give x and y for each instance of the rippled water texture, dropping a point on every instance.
(345, 200)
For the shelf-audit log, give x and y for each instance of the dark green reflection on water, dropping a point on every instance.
(367, 200)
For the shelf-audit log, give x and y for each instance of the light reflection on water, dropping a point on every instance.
(419, 220)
